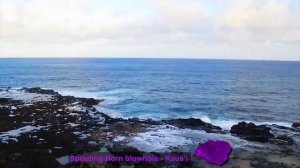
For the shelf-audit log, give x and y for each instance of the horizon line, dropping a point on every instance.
(188, 58)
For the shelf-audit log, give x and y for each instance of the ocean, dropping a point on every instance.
(222, 92)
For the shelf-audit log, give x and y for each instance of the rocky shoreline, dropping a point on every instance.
(40, 128)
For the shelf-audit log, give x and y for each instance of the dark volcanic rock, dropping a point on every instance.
(40, 90)
(193, 123)
(4, 100)
(296, 125)
(148, 121)
(126, 128)
(252, 132)
(134, 119)
(282, 140)
(71, 125)
(40, 148)
(90, 101)
(124, 150)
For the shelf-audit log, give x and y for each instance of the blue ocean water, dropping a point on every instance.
(222, 92)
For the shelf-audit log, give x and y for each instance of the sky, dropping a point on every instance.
(211, 29)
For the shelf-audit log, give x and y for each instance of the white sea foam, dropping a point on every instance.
(75, 108)
(224, 124)
(165, 138)
(109, 112)
(110, 97)
(83, 94)
(286, 124)
(119, 138)
(206, 119)
(72, 124)
(81, 135)
(116, 96)
(26, 97)
(63, 160)
(227, 124)
(96, 115)
(12, 134)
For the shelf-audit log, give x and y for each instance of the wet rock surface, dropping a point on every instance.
(296, 125)
(252, 132)
(4, 100)
(193, 123)
(36, 133)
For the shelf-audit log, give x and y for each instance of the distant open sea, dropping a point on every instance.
(221, 92)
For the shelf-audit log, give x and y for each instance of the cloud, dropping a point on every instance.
(178, 15)
(267, 29)
(258, 21)
(51, 19)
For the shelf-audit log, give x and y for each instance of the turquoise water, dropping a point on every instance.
(222, 92)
